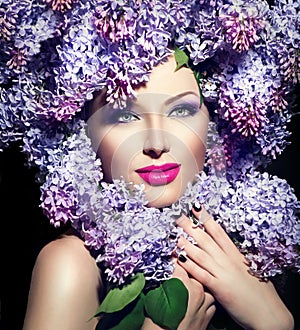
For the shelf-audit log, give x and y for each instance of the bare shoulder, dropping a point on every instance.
(65, 286)
(70, 253)
(68, 261)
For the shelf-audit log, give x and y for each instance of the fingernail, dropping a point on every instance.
(172, 236)
(197, 206)
(182, 257)
(194, 220)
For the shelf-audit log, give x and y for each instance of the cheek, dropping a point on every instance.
(198, 143)
(198, 151)
(192, 146)
(117, 154)
(192, 157)
(106, 153)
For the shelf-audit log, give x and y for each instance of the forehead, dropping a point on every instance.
(164, 79)
(165, 82)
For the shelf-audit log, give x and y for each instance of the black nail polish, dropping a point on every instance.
(182, 258)
(197, 206)
(194, 220)
(172, 236)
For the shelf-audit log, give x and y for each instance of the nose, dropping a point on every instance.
(155, 143)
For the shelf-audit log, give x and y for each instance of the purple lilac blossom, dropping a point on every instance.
(264, 210)
(55, 54)
(61, 5)
(72, 174)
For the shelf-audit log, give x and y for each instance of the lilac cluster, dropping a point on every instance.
(55, 54)
(263, 210)
(73, 174)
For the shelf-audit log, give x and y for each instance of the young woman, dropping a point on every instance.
(158, 141)
(151, 124)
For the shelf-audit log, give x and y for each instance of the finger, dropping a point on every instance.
(197, 272)
(218, 234)
(202, 299)
(192, 286)
(180, 273)
(210, 311)
(202, 238)
(199, 256)
(209, 299)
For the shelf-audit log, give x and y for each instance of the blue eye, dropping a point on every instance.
(183, 110)
(126, 117)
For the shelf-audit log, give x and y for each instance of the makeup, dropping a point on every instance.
(182, 257)
(197, 206)
(159, 175)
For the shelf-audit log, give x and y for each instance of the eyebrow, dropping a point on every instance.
(179, 96)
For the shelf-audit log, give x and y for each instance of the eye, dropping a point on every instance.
(124, 117)
(183, 110)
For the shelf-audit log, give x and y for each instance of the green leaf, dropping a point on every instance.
(198, 77)
(129, 318)
(167, 304)
(181, 58)
(117, 298)
(134, 319)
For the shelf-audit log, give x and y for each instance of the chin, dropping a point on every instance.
(159, 204)
(162, 196)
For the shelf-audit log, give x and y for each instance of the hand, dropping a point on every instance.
(200, 308)
(218, 265)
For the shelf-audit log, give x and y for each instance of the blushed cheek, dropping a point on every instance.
(193, 149)
(118, 156)
(198, 147)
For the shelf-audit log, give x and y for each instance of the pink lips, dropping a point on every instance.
(159, 175)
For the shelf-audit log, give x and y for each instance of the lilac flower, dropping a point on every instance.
(242, 24)
(278, 102)
(61, 5)
(264, 211)
(115, 22)
(276, 137)
(94, 237)
(61, 191)
(7, 22)
(244, 118)
(203, 35)
(55, 54)
(59, 202)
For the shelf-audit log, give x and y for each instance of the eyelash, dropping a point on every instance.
(118, 118)
(189, 110)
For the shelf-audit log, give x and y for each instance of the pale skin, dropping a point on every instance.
(66, 287)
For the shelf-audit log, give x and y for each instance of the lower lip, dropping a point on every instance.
(160, 178)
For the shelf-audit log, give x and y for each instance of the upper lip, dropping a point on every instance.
(158, 168)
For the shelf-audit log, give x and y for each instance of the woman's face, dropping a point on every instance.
(158, 139)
